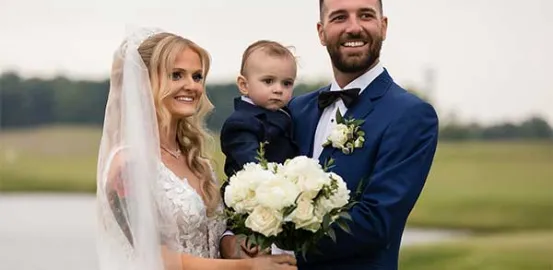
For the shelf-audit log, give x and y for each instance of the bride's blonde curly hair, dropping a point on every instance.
(159, 53)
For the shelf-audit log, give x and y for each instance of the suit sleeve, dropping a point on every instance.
(402, 165)
(240, 141)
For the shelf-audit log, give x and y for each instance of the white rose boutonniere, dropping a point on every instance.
(346, 135)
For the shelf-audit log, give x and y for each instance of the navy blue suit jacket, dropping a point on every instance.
(250, 125)
(400, 142)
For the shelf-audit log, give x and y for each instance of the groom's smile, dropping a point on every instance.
(357, 47)
(354, 44)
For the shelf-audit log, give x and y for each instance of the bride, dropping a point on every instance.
(159, 206)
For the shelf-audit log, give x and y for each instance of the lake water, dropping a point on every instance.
(57, 232)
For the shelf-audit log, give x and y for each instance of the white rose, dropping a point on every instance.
(277, 193)
(307, 174)
(240, 197)
(265, 221)
(339, 135)
(339, 197)
(304, 217)
(240, 193)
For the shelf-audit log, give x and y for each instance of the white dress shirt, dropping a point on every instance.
(327, 120)
(247, 99)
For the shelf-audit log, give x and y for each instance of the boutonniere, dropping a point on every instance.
(346, 135)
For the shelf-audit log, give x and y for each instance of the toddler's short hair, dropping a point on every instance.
(270, 47)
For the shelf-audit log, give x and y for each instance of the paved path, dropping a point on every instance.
(56, 232)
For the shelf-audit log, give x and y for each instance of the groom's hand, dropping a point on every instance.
(247, 247)
(233, 248)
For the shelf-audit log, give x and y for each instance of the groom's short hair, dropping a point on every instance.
(270, 47)
(321, 4)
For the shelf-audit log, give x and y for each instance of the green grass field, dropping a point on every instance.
(489, 187)
(503, 191)
(49, 159)
(520, 251)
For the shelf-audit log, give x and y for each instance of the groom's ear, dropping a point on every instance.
(384, 29)
(320, 31)
(242, 84)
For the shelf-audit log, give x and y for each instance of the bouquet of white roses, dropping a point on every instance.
(291, 205)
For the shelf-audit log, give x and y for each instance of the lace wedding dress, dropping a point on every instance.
(195, 233)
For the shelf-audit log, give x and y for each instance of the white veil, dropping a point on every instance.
(129, 235)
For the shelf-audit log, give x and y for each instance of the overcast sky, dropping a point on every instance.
(492, 58)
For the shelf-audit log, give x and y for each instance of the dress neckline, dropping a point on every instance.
(183, 181)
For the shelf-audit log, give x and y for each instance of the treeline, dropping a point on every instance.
(532, 128)
(33, 102)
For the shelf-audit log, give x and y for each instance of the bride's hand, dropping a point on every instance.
(274, 262)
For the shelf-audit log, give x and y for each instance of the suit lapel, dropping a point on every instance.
(374, 90)
(363, 107)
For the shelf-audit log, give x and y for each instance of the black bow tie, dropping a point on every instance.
(348, 96)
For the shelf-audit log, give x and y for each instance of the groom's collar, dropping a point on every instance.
(362, 81)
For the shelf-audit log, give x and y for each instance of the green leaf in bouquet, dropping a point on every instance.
(329, 164)
(360, 188)
(326, 222)
(332, 234)
(267, 244)
(345, 215)
(339, 117)
(358, 122)
(261, 155)
(344, 226)
(258, 240)
(261, 241)
(252, 240)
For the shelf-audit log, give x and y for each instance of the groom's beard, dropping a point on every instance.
(354, 64)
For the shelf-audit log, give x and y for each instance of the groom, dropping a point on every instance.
(401, 133)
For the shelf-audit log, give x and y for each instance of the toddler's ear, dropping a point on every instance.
(242, 84)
